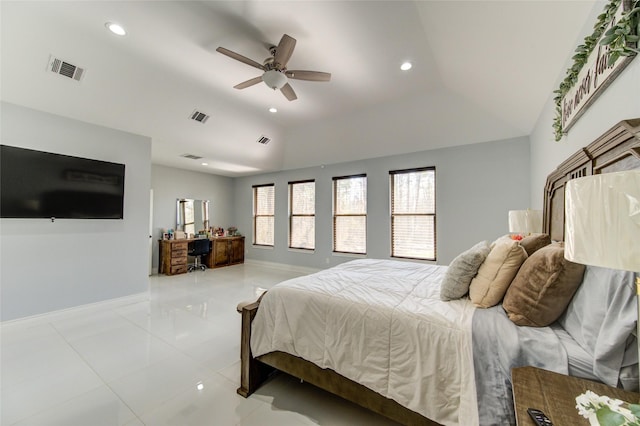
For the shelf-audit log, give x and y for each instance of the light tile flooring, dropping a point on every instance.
(169, 360)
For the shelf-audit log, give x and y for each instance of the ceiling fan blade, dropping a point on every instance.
(308, 75)
(248, 83)
(284, 50)
(239, 57)
(288, 92)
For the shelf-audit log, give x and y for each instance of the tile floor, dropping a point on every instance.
(169, 360)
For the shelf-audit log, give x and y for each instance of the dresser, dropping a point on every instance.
(225, 251)
(173, 256)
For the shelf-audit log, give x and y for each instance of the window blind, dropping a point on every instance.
(413, 213)
(263, 214)
(302, 211)
(350, 214)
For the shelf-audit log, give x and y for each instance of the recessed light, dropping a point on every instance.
(115, 28)
(273, 110)
(205, 164)
(406, 66)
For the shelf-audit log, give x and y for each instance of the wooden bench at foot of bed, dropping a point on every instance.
(254, 371)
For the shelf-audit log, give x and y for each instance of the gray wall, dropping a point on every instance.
(169, 184)
(621, 100)
(476, 185)
(47, 266)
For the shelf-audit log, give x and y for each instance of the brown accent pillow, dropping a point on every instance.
(496, 273)
(535, 242)
(543, 288)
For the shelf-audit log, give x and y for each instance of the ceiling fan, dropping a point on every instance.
(276, 74)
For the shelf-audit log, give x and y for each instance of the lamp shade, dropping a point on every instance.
(525, 221)
(274, 79)
(602, 220)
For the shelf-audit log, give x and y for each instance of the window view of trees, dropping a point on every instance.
(263, 214)
(350, 214)
(413, 213)
(302, 215)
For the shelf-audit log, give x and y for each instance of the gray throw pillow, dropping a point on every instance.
(462, 270)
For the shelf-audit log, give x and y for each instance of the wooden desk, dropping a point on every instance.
(225, 251)
(555, 395)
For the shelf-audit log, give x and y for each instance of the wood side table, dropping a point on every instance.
(555, 395)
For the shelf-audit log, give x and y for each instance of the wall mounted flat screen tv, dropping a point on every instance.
(37, 184)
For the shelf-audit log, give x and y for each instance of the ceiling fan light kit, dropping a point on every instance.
(275, 70)
(274, 79)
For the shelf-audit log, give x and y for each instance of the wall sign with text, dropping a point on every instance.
(595, 66)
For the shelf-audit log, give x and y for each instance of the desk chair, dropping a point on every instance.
(197, 248)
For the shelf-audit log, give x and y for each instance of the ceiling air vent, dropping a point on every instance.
(264, 140)
(199, 116)
(191, 156)
(64, 68)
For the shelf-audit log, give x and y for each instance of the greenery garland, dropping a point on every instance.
(618, 38)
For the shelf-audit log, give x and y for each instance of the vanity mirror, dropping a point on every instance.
(192, 215)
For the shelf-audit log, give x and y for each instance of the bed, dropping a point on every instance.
(425, 361)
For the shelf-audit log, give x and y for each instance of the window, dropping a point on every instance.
(302, 215)
(350, 214)
(413, 213)
(263, 214)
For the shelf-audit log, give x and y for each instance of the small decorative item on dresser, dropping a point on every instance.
(232, 231)
(605, 411)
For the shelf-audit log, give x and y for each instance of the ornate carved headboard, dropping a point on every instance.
(616, 150)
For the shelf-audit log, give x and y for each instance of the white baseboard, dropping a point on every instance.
(282, 266)
(62, 313)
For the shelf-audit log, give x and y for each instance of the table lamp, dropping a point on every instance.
(525, 221)
(602, 223)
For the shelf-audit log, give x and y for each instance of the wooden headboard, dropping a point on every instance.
(616, 150)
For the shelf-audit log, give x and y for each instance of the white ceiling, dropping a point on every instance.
(483, 70)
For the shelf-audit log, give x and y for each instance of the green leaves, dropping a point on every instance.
(619, 40)
(606, 417)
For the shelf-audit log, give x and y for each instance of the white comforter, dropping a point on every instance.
(380, 323)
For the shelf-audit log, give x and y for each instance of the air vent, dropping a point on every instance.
(264, 140)
(64, 68)
(198, 116)
(191, 156)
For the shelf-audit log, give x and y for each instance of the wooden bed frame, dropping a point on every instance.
(618, 149)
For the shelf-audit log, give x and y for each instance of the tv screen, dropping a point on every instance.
(37, 184)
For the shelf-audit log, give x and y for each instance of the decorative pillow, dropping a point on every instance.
(501, 239)
(535, 242)
(461, 270)
(543, 287)
(496, 273)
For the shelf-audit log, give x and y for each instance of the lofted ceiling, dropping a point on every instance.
(482, 70)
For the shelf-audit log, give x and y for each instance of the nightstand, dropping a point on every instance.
(555, 395)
